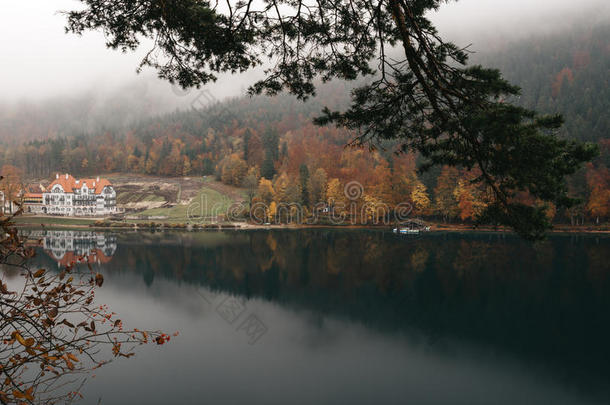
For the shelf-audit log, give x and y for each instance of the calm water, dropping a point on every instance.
(353, 317)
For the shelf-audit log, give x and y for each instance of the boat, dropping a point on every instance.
(411, 227)
(406, 231)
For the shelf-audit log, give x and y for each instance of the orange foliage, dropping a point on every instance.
(565, 74)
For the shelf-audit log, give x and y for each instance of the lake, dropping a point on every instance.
(352, 316)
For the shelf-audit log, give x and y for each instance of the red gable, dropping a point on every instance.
(66, 182)
(69, 183)
(70, 258)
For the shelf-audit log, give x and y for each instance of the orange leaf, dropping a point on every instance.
(25, 342)
(72, 357)
(99, 279)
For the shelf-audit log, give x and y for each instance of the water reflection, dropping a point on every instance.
(543, 306)
(65, 246)
(54, 333)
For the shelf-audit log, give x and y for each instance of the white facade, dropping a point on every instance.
(67, 196)
(80, 244)
(68, 247)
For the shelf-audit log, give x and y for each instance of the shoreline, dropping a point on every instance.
(126, 226)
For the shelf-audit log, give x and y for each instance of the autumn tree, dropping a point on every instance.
(317, 186)
(253, 148)
(382, 187)
(287, 196)
(11, 186)
(445, 203)
(133, 163)
(599, 203)
(266, 192)
(280, 188)
(233, 169)
(251, 184)
(566, 75)
(471, 200)
(419, 196)
(403, 168)
(373, 209)
(551, 211)
(272, 212)
(465, 201)
(598, 182)
(335, 196)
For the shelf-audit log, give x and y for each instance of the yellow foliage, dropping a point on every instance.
(420, 198)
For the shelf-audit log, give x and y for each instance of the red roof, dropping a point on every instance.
(69, 183)
(99, 185)
(66, 182)
(95, 256)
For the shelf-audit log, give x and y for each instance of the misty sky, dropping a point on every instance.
(39, 60)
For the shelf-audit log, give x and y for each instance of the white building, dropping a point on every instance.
(68, 196)
(28, 198)
(7, 206)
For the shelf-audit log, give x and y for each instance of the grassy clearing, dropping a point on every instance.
(27, 220)
(207, 203)
(149, 194)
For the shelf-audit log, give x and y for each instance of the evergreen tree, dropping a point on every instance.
(271, 143)
(251, 185)
(317, 187)
(304, 180)
(268, 167)
(246, 145)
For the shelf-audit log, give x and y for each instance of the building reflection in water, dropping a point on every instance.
(65, 247)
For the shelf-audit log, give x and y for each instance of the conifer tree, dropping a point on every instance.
(304, 182)
(268, 167)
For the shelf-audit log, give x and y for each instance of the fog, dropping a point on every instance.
(40, 61)
(487, 24)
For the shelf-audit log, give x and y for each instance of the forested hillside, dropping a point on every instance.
(566, 73)
(244, 140)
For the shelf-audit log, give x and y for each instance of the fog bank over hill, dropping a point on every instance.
(63, 84)
(485, 23)
(41, 61)
(106, 106)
